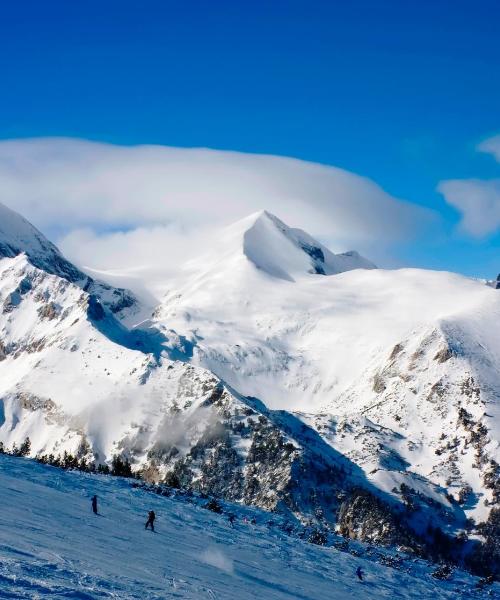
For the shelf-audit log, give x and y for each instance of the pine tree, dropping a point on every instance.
(317, 537)
(214, 506)
(69, 461)
(121, 467)
(172, 480)
(25, 448)
(83, 465)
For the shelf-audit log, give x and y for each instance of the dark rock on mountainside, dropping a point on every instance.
(362, 516)
(95, 310)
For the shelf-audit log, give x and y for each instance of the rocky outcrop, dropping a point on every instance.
(49, 311)
(234, 453)
(95, 310)
(362, 516)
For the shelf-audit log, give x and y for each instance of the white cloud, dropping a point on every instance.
(491, 146)
(143, 259)
(478, 200)
(117, 207)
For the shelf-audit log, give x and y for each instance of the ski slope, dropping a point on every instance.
(52, 546)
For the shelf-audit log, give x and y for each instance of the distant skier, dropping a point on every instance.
(151, 520)
(231, 520)
(359, 573)
(94, 505)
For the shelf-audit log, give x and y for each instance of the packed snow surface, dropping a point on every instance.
(52, 546)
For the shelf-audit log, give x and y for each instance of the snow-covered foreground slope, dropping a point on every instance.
(52, 546)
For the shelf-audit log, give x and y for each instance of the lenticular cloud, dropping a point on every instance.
(114, 206)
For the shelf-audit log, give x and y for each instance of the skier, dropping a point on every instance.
(359, 573)
(94, 504)
(231, 520)
(151, 520)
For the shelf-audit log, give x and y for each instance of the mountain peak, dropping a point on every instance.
(18, 236)
(286, 253)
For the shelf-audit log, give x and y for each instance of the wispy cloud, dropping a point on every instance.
(491, 146)
(116, 207)
(478, 200)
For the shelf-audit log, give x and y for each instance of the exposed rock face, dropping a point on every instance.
(48, 311)
(231, 450)
(364, 517)
(95, 310)
(378, 383)
(444, 354)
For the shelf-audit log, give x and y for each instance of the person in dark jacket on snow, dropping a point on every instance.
(94, 504)
(359, 573)
(151, 520)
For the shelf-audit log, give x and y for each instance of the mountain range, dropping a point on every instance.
(272, 373)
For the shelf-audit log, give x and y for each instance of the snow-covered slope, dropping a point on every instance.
(258, 318)
(17, 235)
(52, 546)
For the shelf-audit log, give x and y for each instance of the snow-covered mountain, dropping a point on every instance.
(273, 373)
(18, 236)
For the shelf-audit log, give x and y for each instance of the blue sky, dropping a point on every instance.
(398, 91)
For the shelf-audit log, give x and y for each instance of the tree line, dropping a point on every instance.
(120, 467)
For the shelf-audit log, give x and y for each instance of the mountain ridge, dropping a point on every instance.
(19, 236)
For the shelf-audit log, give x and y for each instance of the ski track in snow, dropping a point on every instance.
(53, 547)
